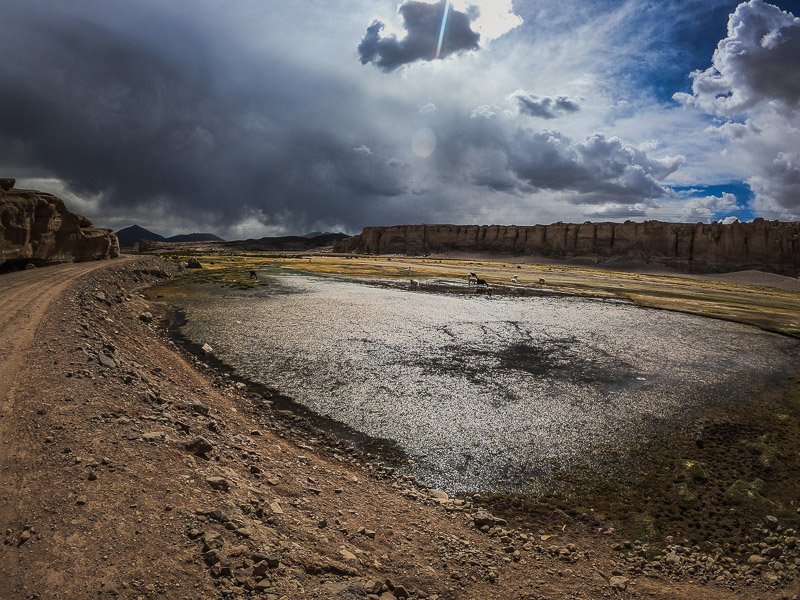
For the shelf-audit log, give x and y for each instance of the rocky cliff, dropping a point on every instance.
(36, 228)
(767, 245)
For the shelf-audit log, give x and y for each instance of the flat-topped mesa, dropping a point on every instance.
(697, 247)
(36, 228)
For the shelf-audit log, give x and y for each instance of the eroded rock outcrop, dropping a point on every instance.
(767, 245)
(36, 228)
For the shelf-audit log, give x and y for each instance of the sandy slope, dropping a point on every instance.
(101, 497)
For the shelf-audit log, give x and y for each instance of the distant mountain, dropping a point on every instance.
(195, 237)
(130, 236)
(314, 234)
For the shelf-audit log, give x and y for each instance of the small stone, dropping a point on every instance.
(276, 508)
(154, 436)
(206, 349)
(774, 552)
(618, 583)
(243, 532)
(81, 500)
(484, 518)
(106, 360)
(218, 483)
(212, 541)
(146, 316)
(756, 559)
(249, 584)
(199, 408)
(199, 446)
(92, 476)
(347, 555)
(771, 522)
(24, 537)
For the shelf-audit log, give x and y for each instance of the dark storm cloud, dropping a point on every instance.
(422, 22)
(161, 118)
(598, 169)
(502, 157)
(545, 107)
(191, 120)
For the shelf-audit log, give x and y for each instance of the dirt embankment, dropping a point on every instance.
(129, 469)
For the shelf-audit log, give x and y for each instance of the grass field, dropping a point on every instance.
(768, 308)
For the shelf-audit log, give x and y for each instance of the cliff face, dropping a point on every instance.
(768, 245)
(37, 228)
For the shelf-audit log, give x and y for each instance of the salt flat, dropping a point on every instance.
(487, 394)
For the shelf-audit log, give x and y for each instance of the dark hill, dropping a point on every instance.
(130, 236)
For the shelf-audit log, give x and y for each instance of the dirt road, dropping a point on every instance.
(25, 298)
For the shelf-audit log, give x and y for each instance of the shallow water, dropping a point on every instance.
(486, 394)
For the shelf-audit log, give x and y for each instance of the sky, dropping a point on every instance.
(254, 118)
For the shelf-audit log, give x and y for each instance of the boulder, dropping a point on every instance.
(37, 228)
(193, 263)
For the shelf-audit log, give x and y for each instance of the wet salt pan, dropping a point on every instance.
(487, 394)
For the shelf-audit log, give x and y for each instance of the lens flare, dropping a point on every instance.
(441, 31)
(424, 142)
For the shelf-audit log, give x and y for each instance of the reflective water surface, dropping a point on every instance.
(486, 394)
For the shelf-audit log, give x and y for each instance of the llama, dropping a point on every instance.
(515, 279)
(415, 284)
(472, 278)
(481, 282)
(542, 281)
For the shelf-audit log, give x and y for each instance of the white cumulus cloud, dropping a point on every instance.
(753, 87)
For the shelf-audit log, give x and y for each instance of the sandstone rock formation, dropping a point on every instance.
(767, 245)
(36, 228)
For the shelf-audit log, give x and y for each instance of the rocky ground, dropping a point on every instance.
(129, 468)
